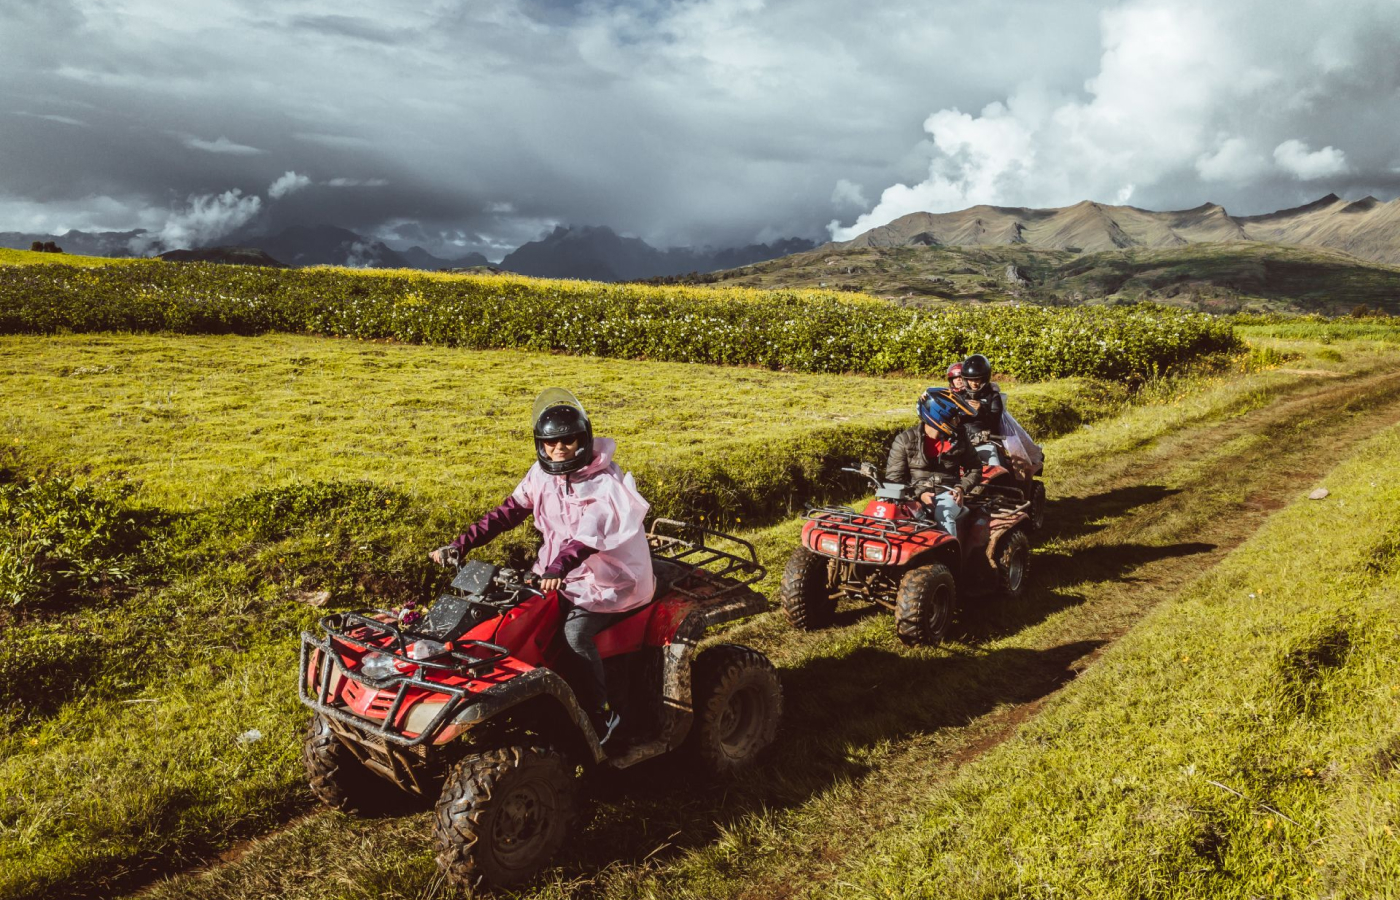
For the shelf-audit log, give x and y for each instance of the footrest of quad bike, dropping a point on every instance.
(637, 753)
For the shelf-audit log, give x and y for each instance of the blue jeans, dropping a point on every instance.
(947, 513)
(990, 454)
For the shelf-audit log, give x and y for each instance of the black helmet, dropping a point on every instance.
(977, 367)
(559, 416)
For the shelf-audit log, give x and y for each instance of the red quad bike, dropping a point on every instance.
(476, 702)
(894, 554)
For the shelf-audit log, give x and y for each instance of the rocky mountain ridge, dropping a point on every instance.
(1367, 228)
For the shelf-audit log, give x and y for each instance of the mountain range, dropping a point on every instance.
(601, 254)
(592, 252)
(1366, 228)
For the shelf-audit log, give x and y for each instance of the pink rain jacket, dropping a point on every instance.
(599, 507)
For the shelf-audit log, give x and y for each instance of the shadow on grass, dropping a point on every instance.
(838, 711)
(1072, 517)
(1053, 576)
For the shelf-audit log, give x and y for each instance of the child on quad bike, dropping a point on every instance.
(987, 405)
(591, 517)
(937, 451)
(955, 378)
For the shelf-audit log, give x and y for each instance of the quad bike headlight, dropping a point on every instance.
(829, 543)
(377, 666)
(874, 552)
(425, 649)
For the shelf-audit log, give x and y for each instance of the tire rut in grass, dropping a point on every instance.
(871, 728)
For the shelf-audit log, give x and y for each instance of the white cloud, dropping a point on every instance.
(1234, 160)
(288, 182)
(51, 117)
(220, 145)
(1294, 158)
(357, 182)
(1186, 94)
(847, 194)
(203, 220)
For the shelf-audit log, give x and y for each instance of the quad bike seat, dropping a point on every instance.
(629, 633)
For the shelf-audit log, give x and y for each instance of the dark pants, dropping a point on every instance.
(580, 629)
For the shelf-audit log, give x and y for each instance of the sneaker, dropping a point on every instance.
(611, 721)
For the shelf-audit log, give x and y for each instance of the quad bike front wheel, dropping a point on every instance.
(738, 703)
(336, 777)
(1014, 564)
(805, 594)
(504, 814)
(924, 605)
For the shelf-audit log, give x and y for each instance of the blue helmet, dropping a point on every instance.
(943, 409)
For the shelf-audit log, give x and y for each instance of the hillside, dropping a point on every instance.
(1223, 277)
(1365, 228)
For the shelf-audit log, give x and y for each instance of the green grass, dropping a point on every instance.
(870, 725)
(10, 257)
(95, 786)
(264, 468)
(1241, 742)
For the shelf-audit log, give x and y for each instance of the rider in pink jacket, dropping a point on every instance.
(592, 521)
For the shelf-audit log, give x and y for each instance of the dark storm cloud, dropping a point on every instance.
(466, 126)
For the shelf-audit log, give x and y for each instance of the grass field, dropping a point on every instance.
(1241, 742)
(263, 469)
(10, 257)
(873, 730)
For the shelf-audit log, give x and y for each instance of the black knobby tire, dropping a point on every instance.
(336, 777)
(924, 605)
(738, 704)
(806, 594)
(1014, 564)
(504, 814)
(1037, 510)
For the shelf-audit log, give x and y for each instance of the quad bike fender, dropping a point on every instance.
(528, 687)
(1000, 528)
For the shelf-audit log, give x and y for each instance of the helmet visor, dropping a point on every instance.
(550, 398)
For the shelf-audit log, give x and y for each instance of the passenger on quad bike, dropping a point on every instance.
(985, 399)
(936, 451)
(592, 520)
(955, 378)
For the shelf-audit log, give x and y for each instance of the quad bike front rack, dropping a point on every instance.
(357, 631)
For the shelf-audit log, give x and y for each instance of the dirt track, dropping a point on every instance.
(869, 728)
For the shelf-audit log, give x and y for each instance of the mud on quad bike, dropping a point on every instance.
(476, 702)
(894, 554)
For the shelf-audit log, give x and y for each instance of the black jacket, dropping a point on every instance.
(988, 417)
(909, 465)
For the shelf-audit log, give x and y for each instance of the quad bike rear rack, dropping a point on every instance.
(688, 563)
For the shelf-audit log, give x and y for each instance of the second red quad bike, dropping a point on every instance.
(894, 554)
(475, 703)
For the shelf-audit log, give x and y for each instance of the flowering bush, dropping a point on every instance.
(805, 331)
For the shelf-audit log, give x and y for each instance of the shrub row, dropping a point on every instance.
(805, 331)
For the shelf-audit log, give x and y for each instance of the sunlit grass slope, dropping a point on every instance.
(10, 257)
(1242, 742)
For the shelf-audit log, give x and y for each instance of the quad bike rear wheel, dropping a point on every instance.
(1037, 510)
(806, 594)
(1014, 564)
(924, 605)
(336, 777)
(738, 703)
(504, 814)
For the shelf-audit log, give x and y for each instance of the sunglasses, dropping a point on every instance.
(554, 442)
